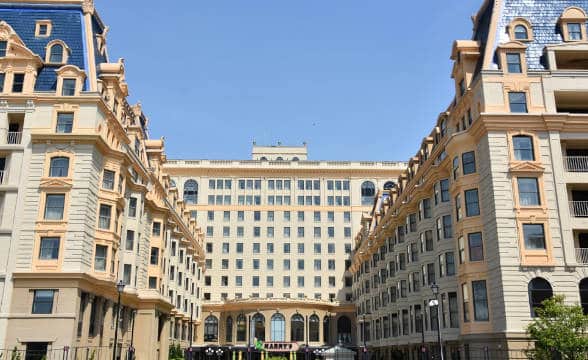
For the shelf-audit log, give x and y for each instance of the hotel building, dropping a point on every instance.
(278, 240)
(493, 207)
(85, 202)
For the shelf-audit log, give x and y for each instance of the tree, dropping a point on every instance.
(559, 332)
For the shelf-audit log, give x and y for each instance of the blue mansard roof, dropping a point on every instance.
(543, 16)
(67, 25)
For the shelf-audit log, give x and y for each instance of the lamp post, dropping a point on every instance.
(219, 353)
(209, 352)
(435, 303)
(120, 286)
(422, 320)
(307, 331)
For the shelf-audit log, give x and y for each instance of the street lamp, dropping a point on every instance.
(209, 352)
(120, 286)
(435, 303)
(219, 353)
(318, 352)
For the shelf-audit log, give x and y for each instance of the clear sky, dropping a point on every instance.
(356, 80)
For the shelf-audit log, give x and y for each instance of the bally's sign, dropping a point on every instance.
(277, 346)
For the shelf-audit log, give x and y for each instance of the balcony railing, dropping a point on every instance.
(579, 208)
(582, 255)
(576, 163)
(14, 137)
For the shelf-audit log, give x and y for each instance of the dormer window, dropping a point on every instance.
(573, 24)
(520, 30)
(57, 52)
(69, 87)
(512, 57)
(574, 31)
(43, 28)
(521, 33)
(513, 63)
(3, 47)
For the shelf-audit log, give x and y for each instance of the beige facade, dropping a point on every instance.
(85, 201)
(278, 238)
(491, 208)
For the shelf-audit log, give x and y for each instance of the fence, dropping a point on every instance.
(66, 353)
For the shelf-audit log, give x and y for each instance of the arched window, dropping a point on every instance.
(368, 191)
(521, 33)
(297, 328)
(278, 327)
(211, 328)
(584, 295)
(59, 166)
(344, 330)
(326, 329)
(241, 328)
(229, 330)
(539, 290)
(263, 158)
(56, 54)
(190, 192)
(389, 185)
(295, 158)
(313, 328)
(259, 326)
(279, 158)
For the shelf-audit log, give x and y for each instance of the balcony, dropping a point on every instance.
(579, 208)
(14, 137)
(576, 163)
(582, 255)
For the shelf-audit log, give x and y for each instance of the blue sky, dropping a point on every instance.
(356, 80)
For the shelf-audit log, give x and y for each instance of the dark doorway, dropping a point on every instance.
(36, 350)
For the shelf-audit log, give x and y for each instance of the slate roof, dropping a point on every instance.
(68, 26)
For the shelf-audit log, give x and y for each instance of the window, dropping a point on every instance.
(444, 184)
(190, 192)
(130, 241)
(69, 87)
(471, 202)
(278, 327)
(468, 160)
(43, 301)
(480, 298)
(461, 249)
(154, 258)
(539, 291)
(49, 248)
(523, 148)
(297, 328)
(521, 33)
(108, 179)
(100, 258)
(466, 302)
(528, 191)
(59, 166)
(574, 31)
(104, 216)
(156, 229)
(368, 191)
(18, 83)
(450, 263)
(54, 204)
(56, 54)
(211, 328)
(447, 227)
(453, 316)
(64, 123)
(455, 167)
(3, 47)
(513, 63)
(534, 235)
(476, 247)
(517, 102)
(313, 328)
(584, 295)
(2, 79)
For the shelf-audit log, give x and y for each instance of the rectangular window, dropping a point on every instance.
(130, 241)
(127, 269)
(156, 229)
(105, 216)
(574, 31)
(54, 204)
(444, 184)
(468, 160)
(458, 207)
(523, 148)
(471, 202)
(465, 303)
(64, 123)
(449, 264)
(43, 301)
(49, 248)
(3, 47)
(480, 300)
(2, 79)
(154, 258)
(517, 102)
(513, 63)
(475, 246)
(528, 192)
(100, 258)
(534, 235)
(69, 87)
(108, 179)
(132, 207)
(453, 312)
(447, 227)
(461, 249)
(18, 83)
